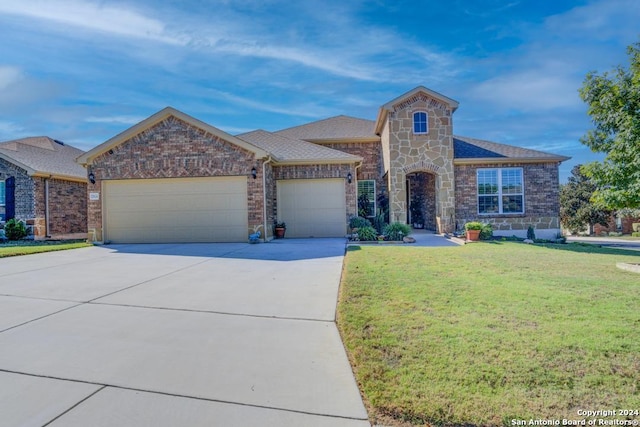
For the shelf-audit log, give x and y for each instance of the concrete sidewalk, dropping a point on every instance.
(166, 335)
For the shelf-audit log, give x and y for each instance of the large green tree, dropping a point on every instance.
(614, 106)
(577, 211)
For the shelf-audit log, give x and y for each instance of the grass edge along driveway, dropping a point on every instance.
(489, 333)
(18, 248)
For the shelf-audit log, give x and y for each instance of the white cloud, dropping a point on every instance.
(300, 110)
(529, 91)
(9, 76)
(127, 120)
(9, 130)
(93, 16)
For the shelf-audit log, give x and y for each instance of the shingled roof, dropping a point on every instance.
(467, 150)
(287, 150)
(44, 156)
(333, 129)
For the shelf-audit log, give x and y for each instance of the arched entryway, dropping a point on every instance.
(421, 198)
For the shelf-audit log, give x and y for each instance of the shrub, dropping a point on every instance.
(379, 223)
(531, 234)
(487, 232)
(635, 234)
(367, 234)
(359, 222)
(473, 225)
(396, 231)
(14, 229)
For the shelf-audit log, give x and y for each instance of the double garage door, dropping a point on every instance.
(176, 210)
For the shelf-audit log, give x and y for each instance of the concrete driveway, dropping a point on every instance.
(173, 335)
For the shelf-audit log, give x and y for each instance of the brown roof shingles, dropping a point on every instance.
(42, 155)
(471, 148)
(291, 150)
(333, 128)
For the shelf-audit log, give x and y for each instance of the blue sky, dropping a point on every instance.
(83, 70)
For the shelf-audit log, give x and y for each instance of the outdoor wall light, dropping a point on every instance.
(92, 178)
(349, 177)
(254, 173)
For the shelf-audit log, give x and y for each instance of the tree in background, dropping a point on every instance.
(577, 211)
(614, 107)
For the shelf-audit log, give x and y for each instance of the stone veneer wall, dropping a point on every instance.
(171, 149)
(541, 198)
(431, 152)
(319, 172)
(25, 190)
(67, 207)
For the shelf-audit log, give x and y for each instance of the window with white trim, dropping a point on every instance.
(367, 198)
(500, 191)
(2, 193)
(420, 122)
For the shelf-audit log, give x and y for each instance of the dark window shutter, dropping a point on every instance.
(10, 198)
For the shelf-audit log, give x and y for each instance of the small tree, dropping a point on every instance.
(614, 107)
(577, 211)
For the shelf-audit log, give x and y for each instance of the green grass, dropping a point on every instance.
(26, 247)
(489, 332)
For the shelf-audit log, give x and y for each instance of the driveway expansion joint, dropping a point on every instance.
(75, 406)
(163, 393)
(223, 313)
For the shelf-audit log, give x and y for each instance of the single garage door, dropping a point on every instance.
(312, 207)
(176, 210)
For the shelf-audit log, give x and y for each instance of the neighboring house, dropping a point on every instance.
(616, 224)
(41, 184)
(173, 178)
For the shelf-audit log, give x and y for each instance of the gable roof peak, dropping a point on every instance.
(158, 117)
(444, 102)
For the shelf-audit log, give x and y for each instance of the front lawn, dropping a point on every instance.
(491, 332)
(27, 247)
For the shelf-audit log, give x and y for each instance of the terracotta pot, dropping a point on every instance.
(473, 235)
(280, 232)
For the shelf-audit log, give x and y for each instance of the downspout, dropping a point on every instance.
(46, 207)
(358, 165)
(264, 195)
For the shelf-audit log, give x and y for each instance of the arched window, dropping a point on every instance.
(420, 122)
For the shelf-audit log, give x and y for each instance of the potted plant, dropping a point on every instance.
(473, 230)
(280, 228)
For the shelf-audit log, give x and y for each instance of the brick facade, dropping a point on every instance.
(24, 200)
(170, 149)
(541, 200)
(67, 203)
(626, 226)
(372, 165)
(67, 207)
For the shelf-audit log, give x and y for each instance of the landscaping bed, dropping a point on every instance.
(488, 333)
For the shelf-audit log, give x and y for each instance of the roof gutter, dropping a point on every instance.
(504, 160)
(356, 159)
(59, 176)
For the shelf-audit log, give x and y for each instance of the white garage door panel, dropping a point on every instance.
(312, 207)
(176, 210)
